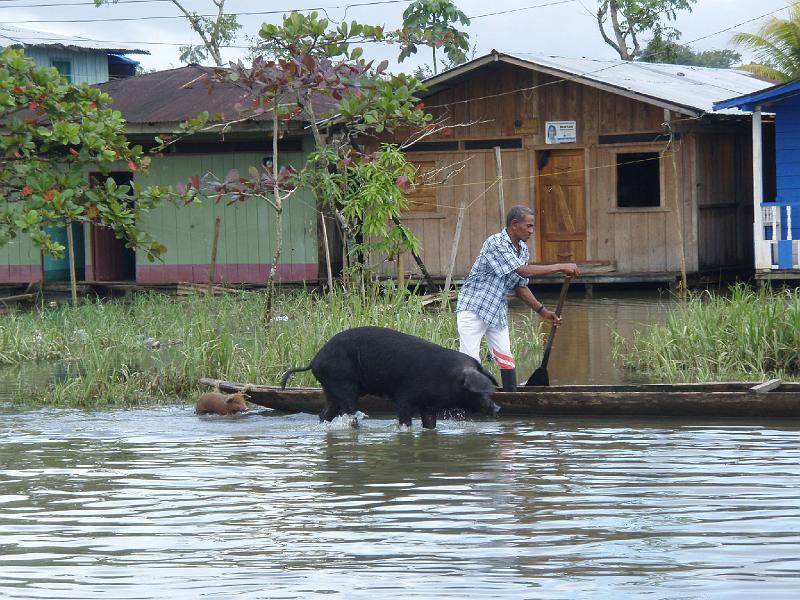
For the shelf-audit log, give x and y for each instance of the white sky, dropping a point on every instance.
(559, 27)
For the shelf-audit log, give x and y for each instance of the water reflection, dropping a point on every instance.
(582, 351)
(160, 502)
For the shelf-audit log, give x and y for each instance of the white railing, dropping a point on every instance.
(777, 234)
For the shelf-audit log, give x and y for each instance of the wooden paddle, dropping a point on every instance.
(540, 376)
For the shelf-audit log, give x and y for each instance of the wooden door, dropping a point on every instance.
(111, 259)
(560, 196)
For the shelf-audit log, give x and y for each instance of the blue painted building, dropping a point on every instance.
(776, 220)
(78, 60)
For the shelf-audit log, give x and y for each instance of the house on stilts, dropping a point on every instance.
(630, 169)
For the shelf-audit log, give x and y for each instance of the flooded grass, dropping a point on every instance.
(154, 348)
(742, 335)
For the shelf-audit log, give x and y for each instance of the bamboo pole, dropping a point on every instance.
(401, 270)
(498, 169)
(212, 270)
(453, 254)
(327, 251)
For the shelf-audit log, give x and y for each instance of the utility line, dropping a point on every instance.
(606, 68)
(60, 4)
(165, 17)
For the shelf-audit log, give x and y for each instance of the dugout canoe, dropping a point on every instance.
(770, 399)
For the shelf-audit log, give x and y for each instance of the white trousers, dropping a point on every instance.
(471, 328)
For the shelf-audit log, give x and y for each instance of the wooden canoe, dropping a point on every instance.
(771, 399)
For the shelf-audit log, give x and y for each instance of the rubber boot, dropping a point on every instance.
(509, 379)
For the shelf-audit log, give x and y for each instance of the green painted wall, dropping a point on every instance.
(246, 233)
(247, 228)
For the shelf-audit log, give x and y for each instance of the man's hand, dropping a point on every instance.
(549, 315)
(569, 269)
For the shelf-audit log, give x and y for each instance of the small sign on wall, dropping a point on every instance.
(560, 132)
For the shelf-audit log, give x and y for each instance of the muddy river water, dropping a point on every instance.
(161, 503)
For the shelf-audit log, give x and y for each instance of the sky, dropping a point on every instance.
(556, 27)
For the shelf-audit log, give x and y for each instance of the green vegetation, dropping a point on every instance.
(154, 348)
(744, 335)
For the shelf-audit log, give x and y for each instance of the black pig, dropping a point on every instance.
(414, 373)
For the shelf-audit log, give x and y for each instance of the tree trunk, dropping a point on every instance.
(420, 264)
(73, 283)
(273, 269)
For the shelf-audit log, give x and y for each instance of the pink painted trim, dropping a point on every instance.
(20, 273)
(230, 273)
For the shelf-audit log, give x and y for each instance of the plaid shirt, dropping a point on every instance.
(493, 276)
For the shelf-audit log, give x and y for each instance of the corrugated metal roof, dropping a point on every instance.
(691, 89)
(174, 95)
(19, 37)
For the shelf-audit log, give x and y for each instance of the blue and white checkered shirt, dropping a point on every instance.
(493, 276)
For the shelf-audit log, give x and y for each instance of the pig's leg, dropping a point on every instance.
(428, 416)
(341, 397)
(405, 409)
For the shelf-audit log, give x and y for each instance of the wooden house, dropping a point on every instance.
(776, 214)
(76, 59)
(155, 104)
(627, 166)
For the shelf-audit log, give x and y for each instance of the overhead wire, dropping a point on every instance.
(475, 99)
(241, 13)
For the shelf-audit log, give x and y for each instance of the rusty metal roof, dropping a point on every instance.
(175, 95)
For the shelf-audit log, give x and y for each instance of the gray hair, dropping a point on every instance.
(517, 213)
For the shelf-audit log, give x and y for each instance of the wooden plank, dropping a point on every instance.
(767, 386)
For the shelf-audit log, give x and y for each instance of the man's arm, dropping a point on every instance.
(569, 269)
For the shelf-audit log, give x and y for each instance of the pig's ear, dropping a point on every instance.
(476, 381)
(231, 398)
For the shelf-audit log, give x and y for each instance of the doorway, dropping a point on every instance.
(561, 214)
(111, 259)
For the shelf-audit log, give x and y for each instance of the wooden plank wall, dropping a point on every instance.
(636, 240)
(88, 66)
(725, 198)
(246, 238)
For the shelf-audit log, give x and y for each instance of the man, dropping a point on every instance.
(482, 308)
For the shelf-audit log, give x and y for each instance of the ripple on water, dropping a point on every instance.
(150, 503)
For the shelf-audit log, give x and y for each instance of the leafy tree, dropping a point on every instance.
(659, 50)
(370, 189)
(304, 59)
(431, 23)
(628, 19)
(776, 46)
(215, 32)
(54, 134)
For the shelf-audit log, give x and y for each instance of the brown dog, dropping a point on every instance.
(222, 404)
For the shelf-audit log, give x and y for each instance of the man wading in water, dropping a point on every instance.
(482, 308)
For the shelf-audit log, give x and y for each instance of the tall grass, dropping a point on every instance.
(745, 334)
(154, 348)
